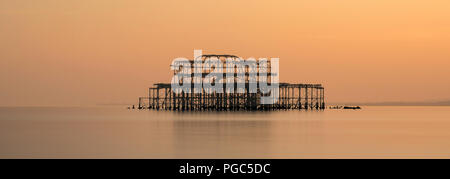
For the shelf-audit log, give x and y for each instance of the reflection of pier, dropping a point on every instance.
(291, 96)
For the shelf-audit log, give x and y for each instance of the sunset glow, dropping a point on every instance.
(84, 52)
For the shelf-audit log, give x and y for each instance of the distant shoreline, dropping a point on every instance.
(439, 103)
(327, 104)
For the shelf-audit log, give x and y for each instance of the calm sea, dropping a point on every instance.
(111, 132)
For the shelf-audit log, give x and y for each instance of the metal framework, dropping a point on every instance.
(291, 96)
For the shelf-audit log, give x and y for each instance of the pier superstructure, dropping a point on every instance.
(290, 96)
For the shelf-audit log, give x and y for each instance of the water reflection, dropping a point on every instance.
(244, 134)
(118, 133)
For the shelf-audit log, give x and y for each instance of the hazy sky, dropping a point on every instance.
(87, 52)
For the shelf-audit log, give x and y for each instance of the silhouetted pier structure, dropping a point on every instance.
(291, 96)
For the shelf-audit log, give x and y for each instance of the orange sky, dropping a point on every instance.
(87, 52)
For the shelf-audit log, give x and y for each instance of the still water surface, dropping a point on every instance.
(110, 132)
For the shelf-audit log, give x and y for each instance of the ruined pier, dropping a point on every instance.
(290, 96)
